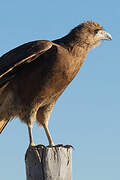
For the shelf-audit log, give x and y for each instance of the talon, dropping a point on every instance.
(69, 146)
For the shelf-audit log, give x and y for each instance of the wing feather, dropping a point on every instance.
(23, 54)
(3, 123)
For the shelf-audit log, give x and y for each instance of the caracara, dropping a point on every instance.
(35, 74)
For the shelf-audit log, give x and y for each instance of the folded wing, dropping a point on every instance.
(23, 54)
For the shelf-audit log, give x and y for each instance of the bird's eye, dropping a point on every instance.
(96, 31)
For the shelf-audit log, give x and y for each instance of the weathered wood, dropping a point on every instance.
(49, 163)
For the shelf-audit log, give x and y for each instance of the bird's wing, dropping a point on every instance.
(23, 54)
(3, 123)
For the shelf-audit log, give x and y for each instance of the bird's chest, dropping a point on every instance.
(59, 77)
(66, 68)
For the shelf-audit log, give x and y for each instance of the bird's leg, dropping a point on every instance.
(30, 135)
(51, 143)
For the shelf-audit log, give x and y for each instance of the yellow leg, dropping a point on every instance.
(51, 143)
(30, 136)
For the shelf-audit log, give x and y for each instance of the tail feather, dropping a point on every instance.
(3, 123)
(6, 106)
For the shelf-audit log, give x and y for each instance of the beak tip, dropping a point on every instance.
(108, 36)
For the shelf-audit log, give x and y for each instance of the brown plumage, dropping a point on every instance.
(34, 75)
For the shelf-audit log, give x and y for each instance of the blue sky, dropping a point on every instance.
(87, 115)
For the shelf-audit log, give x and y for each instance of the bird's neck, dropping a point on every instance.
(75, 47)
(78, 50)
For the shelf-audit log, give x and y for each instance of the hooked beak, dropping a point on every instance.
(103, 35)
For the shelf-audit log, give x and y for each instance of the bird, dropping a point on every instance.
(34, 75)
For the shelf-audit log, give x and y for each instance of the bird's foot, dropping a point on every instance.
(61, 145)
(69, 146)
(31, 144)
(65, 146)
(51, 145)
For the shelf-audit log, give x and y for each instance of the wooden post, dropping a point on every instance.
(49, 163)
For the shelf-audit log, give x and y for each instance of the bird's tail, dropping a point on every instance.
(3, 123)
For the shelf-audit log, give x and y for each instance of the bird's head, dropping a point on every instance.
(90, 33)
